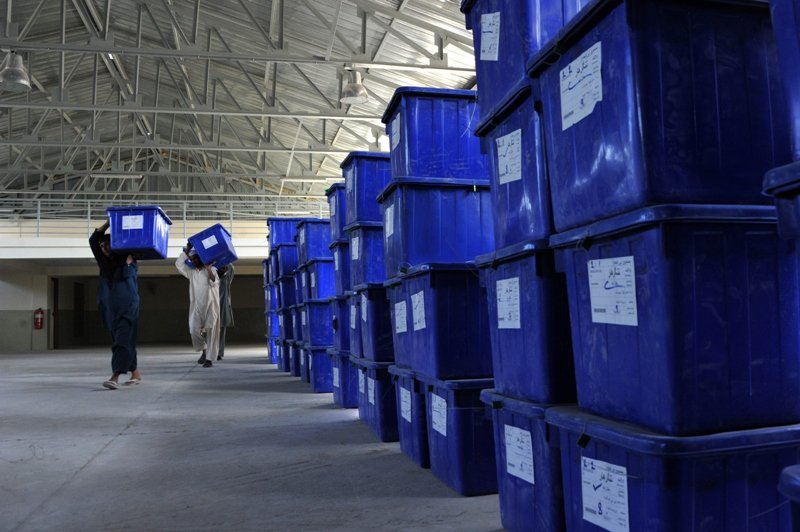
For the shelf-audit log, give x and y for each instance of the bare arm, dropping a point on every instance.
(183, 269)
(212, 274)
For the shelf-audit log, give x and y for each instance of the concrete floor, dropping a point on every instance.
(241, 446)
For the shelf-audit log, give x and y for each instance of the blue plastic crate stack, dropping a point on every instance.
(270, 311)
(283, 259)
(437, 218)
(627, 141)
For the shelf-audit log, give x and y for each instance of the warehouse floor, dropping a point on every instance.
(240, 446)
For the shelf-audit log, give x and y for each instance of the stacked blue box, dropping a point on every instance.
(412, 424)
(365, 175)
(295, 348)
(366, 253)
(287, 295)
(274, 350)
(355, 324)
(313, 240)
(647, 481)
(305, 367)
(214, 246)
(282, 230)
(448, 322)
(783, 184)
(344, 377)
(677, 306)
(285, 324)
(528, 465)
(320, 283)
(283, 260)
(435, 220)
(376, 323)
(431, 134)
(316, 323)
(300, 284)
(140, 230)
(529, 324)
(634, 115)
(397, 296)
(337, 207)
(786, 27)
(320, 369)
(284, 364)
(460, 438)
(377, 405)
(341, 266)
(789, 486)
(273, 297)
(297, 317)
(340, 322)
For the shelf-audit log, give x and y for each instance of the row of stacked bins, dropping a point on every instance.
(639, 270)
(270, 311)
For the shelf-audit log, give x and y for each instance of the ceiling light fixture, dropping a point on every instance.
(14, 77)
(354, 92)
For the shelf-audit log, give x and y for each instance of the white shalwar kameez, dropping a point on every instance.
(203, 307)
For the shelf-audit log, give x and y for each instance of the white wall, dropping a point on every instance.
(21, 292)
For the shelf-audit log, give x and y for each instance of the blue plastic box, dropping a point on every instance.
(366, 253)
(376, 399)
(305, 371)
(648, 481)
(313, 239)
(273, 296)
(282, 230)
(365, 175)
(528, 465)
(506, 34)
(460, 438)
(337, 207)
(284, 259)
(287, 295)
(321, 284)
(141, 231)
(316, 322)
(429, 220)
(789, 486)
(273, 324)
(340, 322)
(431, 134)
(344, 379)
(297, 318)
(512, 139)
(300, 285)
(664, 101)
(319, 369)
(354, 318)
(448, 321)
(783, 184)
(266, 278)
(341, 266)
(285, 324)
(214, 246)
(400, 310)
(376, 323)
(295, 350)
(684, 318)
(412, 421)
(273, 350)
(529, 324)
(786, 26)
(285, 355)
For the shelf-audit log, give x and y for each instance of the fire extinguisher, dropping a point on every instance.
(38, 319)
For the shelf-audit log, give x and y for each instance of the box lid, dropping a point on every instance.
(402, 372)
(350, 159)
(516, 97)
(457, 384)
(517, 406)
(432, 182)
(370, 364)
(440, 267)
(789, 483)
(363, 225)
(516, 251)
(402, 92)
(783, 181)
(341, 243)
(141, 208)
(333, 188)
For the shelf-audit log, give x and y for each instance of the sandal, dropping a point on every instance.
(111, 385)
(132, 381)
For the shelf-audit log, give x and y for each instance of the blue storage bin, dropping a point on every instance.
(376, 323)
(341, 266)
(273, 353)
(400, 310)
(139, 230)
(506, 34)
(431, 134)
(273, 297)
(295, 350)
(316, 322)
(783, 184)
(528, 465)
(272, 324)
(214, 246)
(285, 355)
(305, 367)
(287, 295)
(313, 239)
(529, 324)
(320, 369)
(460, 438)
(412, 420)
(789, 486)
(340, 322)
(300, 285)
(647, 481)
(337, 207)
(284, 259)
(365, 175)
(285, 324)
(320, 283)
(282, 230)
(430, 220)
(449, 324)
(366, 254)
(681, 103)
(786, 26)
(678, 306)
(297, 318)
(376, 398)
(355, 324)
(344, 379)
(512, 139)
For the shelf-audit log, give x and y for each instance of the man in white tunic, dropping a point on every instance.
(203, 305)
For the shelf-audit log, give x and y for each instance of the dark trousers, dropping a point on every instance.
(123, 344)
(221, 351)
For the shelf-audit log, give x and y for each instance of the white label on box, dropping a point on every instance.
(336, 377)
(336, 261)
(604, 490)
(302, 237)
(313, 280)
(418, 310)
(333, 206)
(209, 242)
(364, 308)
(302, 359)
(304, 318)
(360, 381)
(508, 313)
(405, 404)
(280, 320)
(133, 221)
(354, 248)
(310, 363)
(353, 316)
(303, 278)
(509, 157)
(388, 221)
(581, 86)
(371, 390)
(439, 414)
(400, 317)
(490, 36)
(395, 131)
(519, 453)
(612, 291)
